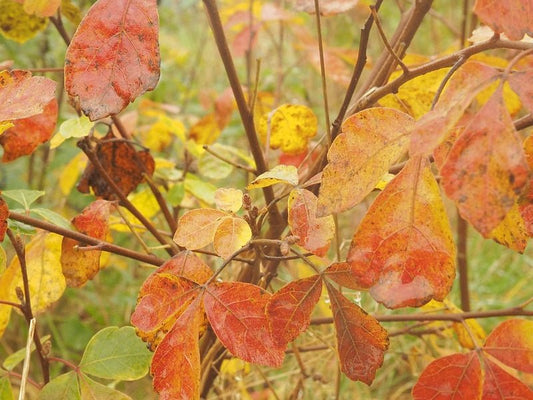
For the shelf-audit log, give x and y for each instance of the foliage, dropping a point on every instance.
(244, 198)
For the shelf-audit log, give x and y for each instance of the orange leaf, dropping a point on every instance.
(315, 233)
(511, 342)
(341, 273)
(4, 214)
(289, 309)
(176, 363)
(451, 377)
(23, 95)
(370, 142)
(460, 91)
(486, 162)
(403, 250)
(196, 228)
(28, 133)
(81, 265)
(125, 166)
(512, 17)
(499, 385)
(187, 265)
(236, 312)
(231, 235)
(521, 83)
(108, 65)
(162, 298)
(362, 341)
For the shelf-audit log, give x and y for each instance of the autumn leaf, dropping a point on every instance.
(125, 64)
(123, 164)
(196, 228)
(512, 17)
(499, 385)
(81, 265)
(361, 340)
(176, 362)
(520, 82)
(236, 312)
(315, 234)
(16, 24)
(341, 273)
(370, 142)
(42, 8)
(228, 199)
(403, 250)
(450, 377)
(289, 128)
(231, 235)
(4, 214)
(289, 309)
(187, 265)
(23, 95)
(486, 162)
(511, 342)
(28, 133)
(287, 174)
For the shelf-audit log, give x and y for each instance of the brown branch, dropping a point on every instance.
(26, 304)
(456, 317)
(357, 71)
(80, 237)
(462, 262)
(228, 161)
(524, 122)
(392, 87)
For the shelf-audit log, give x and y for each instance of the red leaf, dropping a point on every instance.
(176, 363)
(362, 341)
(187, 265)
(499, 385)
(289, 309)
(521, 83)
(4, 214)
(457, 376)
(403, 250)
(22, 95)
(511, 342)
(28, 133)
(125, 166)
(109, 64)
(236, 312)
(512, 17)
(486, 162)
(81, 265)
(342, 274)
(162, 299)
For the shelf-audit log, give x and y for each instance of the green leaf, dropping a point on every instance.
(20, 228)
(94, 390)
(201, 190)
(52, 217)
(175, 194)
(5, 389)
(14, 359)
(64, 387)
(22, 196)
(116, 353)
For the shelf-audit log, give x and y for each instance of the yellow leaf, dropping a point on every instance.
(234, 366)
(162, 132)
(206, 130)
(289, 127)
(196, 228)
(232, 234)
(511, 232)
(41, 8)
(279, 174)
(43, 264)
(228, 199)
(4, 126)
(16, 24)
(510, 98)
(71, 172)
(71, 12)
(145, 202)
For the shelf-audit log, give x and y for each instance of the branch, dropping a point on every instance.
(80, 237)
(456, 317)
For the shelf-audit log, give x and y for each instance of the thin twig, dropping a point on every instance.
(443, 83)
(80, 237)
(27, 356)
(230, 162)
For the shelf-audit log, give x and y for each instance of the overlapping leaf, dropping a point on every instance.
(486, 162)
(108, 65)
(279, 174)
(512, 17)
(370, 142)
(176, 363)
(123, 164)
(315, 234)
(289, 309)
(451, 377)
(521, 83)
(231, 234)
(403, 250)
(81, 265)
(196, 228)
(499, 385)
(236, 312)
(361, 340)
